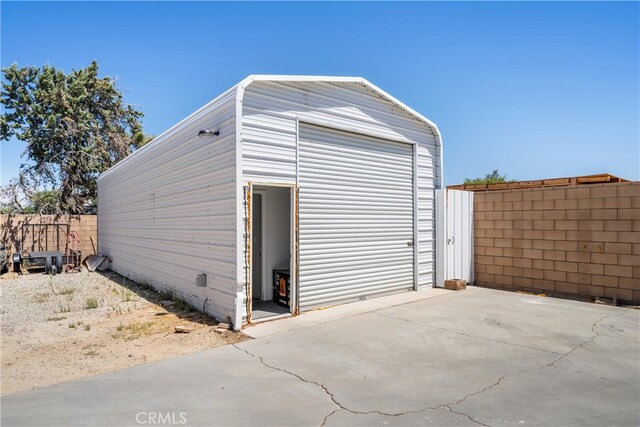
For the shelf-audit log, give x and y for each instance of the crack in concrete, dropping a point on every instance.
(447, 406)
(467, 335)
(340, 406)
(596, 334)
(489, 387)
(550, 364)
(261, 359)
(495, 384)
(599, 377)
(617, 338)
(326, 417)
(466, 415)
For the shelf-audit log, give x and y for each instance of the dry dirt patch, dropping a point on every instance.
(70, 326)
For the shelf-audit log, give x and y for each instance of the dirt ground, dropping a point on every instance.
(69, 326)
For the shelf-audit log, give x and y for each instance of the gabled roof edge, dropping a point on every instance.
(240, 87)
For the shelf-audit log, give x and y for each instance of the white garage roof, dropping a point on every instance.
(286, 78)
(239, 88)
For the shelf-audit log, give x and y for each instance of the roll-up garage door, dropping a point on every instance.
(355, 216)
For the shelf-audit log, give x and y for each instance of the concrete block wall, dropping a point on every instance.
(85, 225)
(579, 241)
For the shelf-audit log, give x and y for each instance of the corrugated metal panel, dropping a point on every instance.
(427, 166)
(455, 235)
(356, 216)
(270, 112)
(168, 212)
(441, 236)
(269, 143)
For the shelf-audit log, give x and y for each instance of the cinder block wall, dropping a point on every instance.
(85, 225)
(576, 241)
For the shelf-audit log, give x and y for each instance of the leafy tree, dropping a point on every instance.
(44, 202)
(140, 139)
(490, 178)
(75, 125)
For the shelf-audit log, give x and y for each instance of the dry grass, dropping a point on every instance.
(41, 297)
(136, 330)
(90, 303)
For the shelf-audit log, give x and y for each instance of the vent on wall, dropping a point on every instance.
(201, 280)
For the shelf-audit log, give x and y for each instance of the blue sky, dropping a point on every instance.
(536, 90)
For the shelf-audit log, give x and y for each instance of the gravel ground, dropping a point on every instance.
(49, 296)
(58, 328)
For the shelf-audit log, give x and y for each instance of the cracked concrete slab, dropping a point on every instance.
(554, 396)
(623, 326)
(518, 319)
(397, 366)
(222, 386)
(606, 358)
(476, 357)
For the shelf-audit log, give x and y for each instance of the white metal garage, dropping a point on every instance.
(328, 181)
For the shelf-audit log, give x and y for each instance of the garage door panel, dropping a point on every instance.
(344, 143)
(357, 288)
(338, 181)
(319, 257)
(355, 216)
(354, 157)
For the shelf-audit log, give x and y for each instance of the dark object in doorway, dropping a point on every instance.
(281, 287)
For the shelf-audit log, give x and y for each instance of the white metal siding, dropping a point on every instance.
(356, 216)
(270, 110)
(268, 146)
(427, 161)
(168, 212)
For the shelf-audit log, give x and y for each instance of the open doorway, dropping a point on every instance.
(271, 251)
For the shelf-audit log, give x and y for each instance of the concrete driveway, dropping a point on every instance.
(444, 359)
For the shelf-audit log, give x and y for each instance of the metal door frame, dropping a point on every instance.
(293, 243)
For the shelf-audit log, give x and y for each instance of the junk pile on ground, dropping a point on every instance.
(97, 262)
(42, 247)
